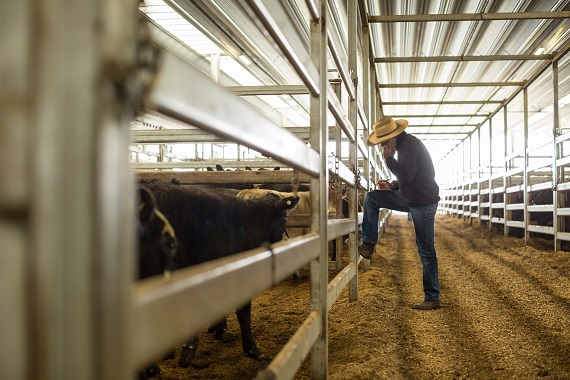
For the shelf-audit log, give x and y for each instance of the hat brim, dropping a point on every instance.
(400, 126)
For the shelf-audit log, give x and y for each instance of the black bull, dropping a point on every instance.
(210, 225)
(156, 249)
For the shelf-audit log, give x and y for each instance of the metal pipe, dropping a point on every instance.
(457, 84)
(470, 17)
(467, 58)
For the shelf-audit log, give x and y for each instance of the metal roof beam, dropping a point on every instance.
(545, 65)
(474, 84)
(440, 115)
(313, 9)
(465, 58)
(441, 125)
(470, 17)
(440, 133)
(437, 136)
(443, 102)
(269, 90)
(275, 20)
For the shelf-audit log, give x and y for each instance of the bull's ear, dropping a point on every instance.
(289, 202)
(147, 204)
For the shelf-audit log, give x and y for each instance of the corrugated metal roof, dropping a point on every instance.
(496, 42)
(443, 65)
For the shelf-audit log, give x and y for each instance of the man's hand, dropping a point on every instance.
(384, 185)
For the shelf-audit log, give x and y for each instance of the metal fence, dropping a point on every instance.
(76, 73)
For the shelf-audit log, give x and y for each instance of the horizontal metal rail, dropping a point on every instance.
(190, 135)
(540, 229)
(191, 289)
(287, 362)
(234, 176)
(245, 176)
(213, 107)
(540, 208)
(339, 227)
(337, 285)
(283, 89)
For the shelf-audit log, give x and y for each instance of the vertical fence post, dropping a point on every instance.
(525, 168)
(506, 213)
(353, 150)
(16, 92)
(490, 174)
(555, 155)
(319, 193)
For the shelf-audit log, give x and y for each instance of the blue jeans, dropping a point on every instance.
(424, 224)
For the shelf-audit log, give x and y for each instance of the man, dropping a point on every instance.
(414, 191)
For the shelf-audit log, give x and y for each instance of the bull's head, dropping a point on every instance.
(278, 221)
(157, 240)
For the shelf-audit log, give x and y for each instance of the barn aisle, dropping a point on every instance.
(505, 315)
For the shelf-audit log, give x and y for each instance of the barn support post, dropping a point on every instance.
(525, 168)
(319, 193)
(460, 179)
(506, 213)
(452, 196)
(367, 94)
(479, 177)
(459, 173)
(555, 154)
(467, 181)
(337, 87)
(62, 215)
(74, 154)
(379, 112)
(490, 186)
(463, 178)
(16, 94)
(353, 148)
(473, 184)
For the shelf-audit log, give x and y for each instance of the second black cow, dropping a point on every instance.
(210, 225)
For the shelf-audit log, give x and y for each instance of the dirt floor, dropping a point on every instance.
(505, 315)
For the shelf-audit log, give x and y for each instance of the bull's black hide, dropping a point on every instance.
(156, 249)
(157, 239)
(284, 188)
(211, 225)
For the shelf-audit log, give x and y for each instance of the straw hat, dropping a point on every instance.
(385, 128)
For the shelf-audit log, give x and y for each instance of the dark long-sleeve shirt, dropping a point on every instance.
(414, 171)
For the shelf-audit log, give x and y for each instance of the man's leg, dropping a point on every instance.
(374, 201)
(424, 225)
